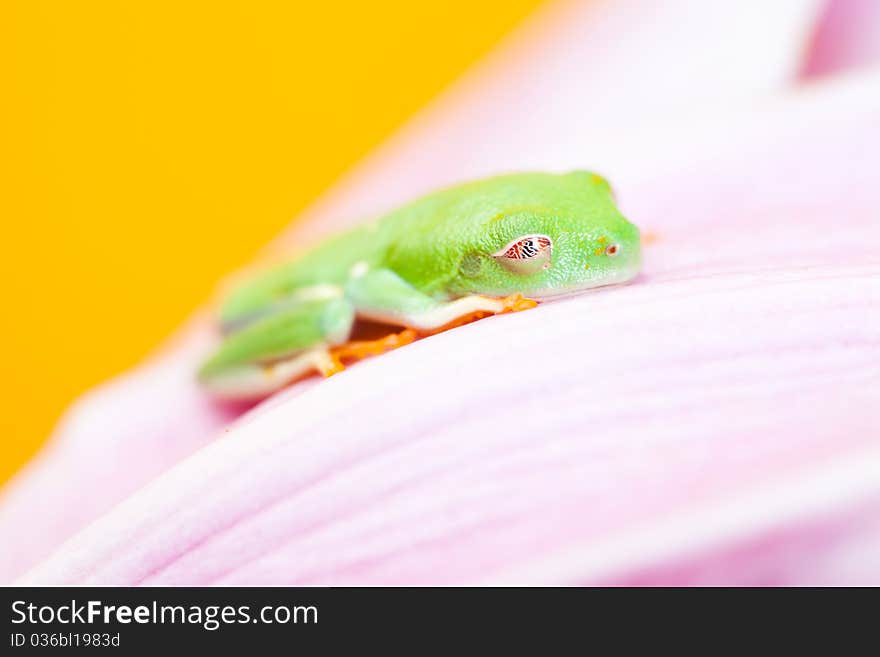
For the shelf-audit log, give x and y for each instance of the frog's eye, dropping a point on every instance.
(612, 250)
(526, 255)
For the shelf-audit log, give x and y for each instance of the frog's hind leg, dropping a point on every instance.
(278, 349)
(381, 295)
(464, 311)
(257, 380)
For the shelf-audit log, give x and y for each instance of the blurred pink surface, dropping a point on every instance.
(704, 424)
(847, 38)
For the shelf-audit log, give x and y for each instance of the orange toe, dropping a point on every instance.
(517, 302)
(359, 349)
(329, 365)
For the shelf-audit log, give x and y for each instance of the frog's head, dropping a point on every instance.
(555, 236)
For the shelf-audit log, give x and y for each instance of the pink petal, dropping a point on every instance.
(729, 397)
(110, 442)
(564, 82)
(847, 38)
(830, 549)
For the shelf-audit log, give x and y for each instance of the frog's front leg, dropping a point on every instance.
(271, 352)
(383, 296)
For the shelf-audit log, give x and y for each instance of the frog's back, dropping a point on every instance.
(420, 241)
(470, 205)
(426, 240)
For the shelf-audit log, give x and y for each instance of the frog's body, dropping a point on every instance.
(460, 253)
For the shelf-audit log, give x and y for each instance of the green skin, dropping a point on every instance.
(421, 266)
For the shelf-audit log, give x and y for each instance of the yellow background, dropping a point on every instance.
(149, 147)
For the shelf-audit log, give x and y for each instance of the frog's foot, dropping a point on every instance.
(649, 238)
(256, 380)
(469, 309)
(442, 318)
(360, 349)
(327, 363)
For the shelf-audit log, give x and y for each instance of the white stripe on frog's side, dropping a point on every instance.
(440, 316)
(256, 380)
